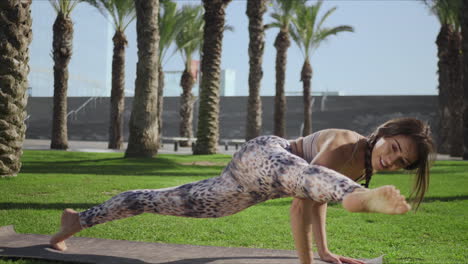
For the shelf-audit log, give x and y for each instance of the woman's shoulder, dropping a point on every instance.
(336, 136)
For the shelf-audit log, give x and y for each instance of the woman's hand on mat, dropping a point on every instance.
(330, 257)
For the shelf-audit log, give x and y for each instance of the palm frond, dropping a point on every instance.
(447, 11)
(325, 16)
(64, 7)
(307, 33)
(125, 11)
(272, 25)
(170, 24)
(130, 20)
(276, 17)
(72, 6)
(297, 39)
(119, 12)
(189, 40)
(284, 11)
(326, 32)
(55, 4)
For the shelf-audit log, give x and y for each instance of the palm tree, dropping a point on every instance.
(62, 52)
(15, 19)
(208, 116)
(122, 13)
(255, 11)
(170, 24)
(144, 136)
(464, 29)
(456, 93)
(308, 33)
(284, 11)
(447, 13)
(189, 41)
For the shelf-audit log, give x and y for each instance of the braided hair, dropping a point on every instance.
(370, 143)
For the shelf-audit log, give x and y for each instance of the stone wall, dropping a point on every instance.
(359, 113)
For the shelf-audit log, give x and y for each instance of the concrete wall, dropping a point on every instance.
(359, 113)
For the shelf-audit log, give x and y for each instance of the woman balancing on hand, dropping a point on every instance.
(270, 167)
(403, 143)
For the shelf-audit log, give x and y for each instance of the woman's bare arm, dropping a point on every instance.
(301, 224)
(309, 217)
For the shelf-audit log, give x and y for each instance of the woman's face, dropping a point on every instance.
(394, 153)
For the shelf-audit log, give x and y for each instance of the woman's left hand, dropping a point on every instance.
(330, 257)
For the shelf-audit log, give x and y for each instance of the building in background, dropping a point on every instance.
(228, 83)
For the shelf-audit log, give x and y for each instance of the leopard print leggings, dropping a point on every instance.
(262, 169)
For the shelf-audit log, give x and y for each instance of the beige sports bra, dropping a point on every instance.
(305, 147)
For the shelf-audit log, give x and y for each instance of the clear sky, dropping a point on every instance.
(391, 52)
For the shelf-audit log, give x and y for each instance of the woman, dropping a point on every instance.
(403, 143)
(264, 168)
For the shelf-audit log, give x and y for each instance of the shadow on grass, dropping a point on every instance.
(287, 202)
(120, 166)
(45, 206)
(36, 261)
(445, 199)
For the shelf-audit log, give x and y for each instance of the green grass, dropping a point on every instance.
(53, 180)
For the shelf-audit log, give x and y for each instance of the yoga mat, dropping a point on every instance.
(94, 250)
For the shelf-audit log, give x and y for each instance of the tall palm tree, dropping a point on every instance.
(456, 93)
(284, 11)
(170, 24)
(144, 136)
(208, 115)
(62, 51)
(447, 13)
(464, 29)
(15, 29)
(122, 13)
(308, 33)
(255, 11)
(189, 41)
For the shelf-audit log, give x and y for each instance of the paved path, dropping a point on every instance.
(168, 148)
(101, 146)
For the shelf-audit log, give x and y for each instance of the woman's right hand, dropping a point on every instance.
(337, 259)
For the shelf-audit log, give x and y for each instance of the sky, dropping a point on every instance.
(391, 52)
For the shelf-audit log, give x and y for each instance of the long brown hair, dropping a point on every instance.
(421, 134)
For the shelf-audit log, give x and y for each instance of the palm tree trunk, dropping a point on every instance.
(464, 29)
(208, 116)
(306, 76)
(456, 95)
(62, 52)
(144, 138)
(282, 44)
(15, 29)
(117, 99)
(186, 107)
(255, 11)
(160, 100)
(443, 129)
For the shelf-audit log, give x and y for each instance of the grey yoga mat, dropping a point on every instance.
(93, 250)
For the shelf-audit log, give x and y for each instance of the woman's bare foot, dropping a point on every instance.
(386, 199)
(70, 225)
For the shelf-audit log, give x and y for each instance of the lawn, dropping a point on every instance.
(53, 180)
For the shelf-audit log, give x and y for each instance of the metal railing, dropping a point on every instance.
(81, 107)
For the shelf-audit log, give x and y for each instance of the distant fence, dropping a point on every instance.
(359, 113)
